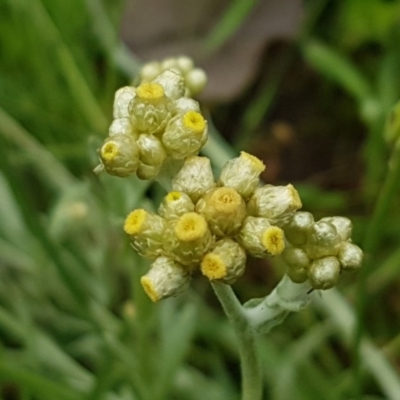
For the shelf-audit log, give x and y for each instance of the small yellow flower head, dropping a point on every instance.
(260, 239)
(122, 99)
(194, 178)
(350, 256)
(172, 83)
(225, 263)
(276, 203)
(273, 240)
(151, 150)
(151, 92)
(185, 135)
(242, 173)
(224, 210)
(175, 204)
(146, 232)
(122, 126)
(299, 227)
(324, 273)
(166, 278)
(120, 155)
(187, 239)
(323, 240)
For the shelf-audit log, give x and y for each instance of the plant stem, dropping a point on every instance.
(250, 363)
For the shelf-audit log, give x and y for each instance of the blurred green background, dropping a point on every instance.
(316, 100)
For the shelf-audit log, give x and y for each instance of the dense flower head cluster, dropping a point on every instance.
(155, 120)
(319, 251)
(211, 225)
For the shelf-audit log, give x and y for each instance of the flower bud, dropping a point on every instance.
(225, 263)
(260, 238)
(185, 104)
(295, 257)
(276, 203)
(185, 64)
(350, 256)
(173, 84)
(169, 63)
(122, 126)
(146, 172)
(175, 204)
(166, 278)
(187, 239)
(194, 178)
(324, 273)
(299, 226)
(196, 80)
(146, 232)
(343, 226)
(151, 150)
(242, 173)
(297, 275)
(224, 210)
(150, 109)
(185, 135)
(150, 71)
(120, 155)
(322, 240)
(122, 99)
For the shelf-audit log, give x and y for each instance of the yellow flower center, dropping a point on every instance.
(194, 121)
(273, 240)
(109, 151)
(173, 196)
(226, 200)
(213, 267)
(191, 226)
(256, 163)
(134, 222)
(150, 91)
(149, 288)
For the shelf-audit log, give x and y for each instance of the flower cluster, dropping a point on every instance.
(319, 251)
(155, 120)
(211, 225)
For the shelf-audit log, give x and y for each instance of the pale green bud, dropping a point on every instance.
(146, 231)
(299, 275)
(322, 240)
(242, 173)
(122, 126)
(166, 278)
(296, 257)
(343, 226)
(185, 104)
(187, 239)
(299, 226)
(276, 203)
(225, 263)
(196, 80)
(194, 178)
(350, 256)
(185, 135)
(120, 155)
(150, 109)
(175, 204)
(324, 273)
(185, 64)
(147, 172)
(260, 238)
(122, 99)
(173, 84)
(224, 210)
(152, 151)
(150, 71)
(169, 63)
